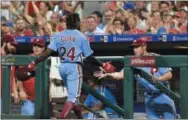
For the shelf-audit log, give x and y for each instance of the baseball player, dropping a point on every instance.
(27, 88)
(9, 46)
(95, 104)
(71, 44)
(158, 105)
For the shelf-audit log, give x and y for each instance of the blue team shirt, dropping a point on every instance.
(71, 45)
(92, 101)
(148, 86)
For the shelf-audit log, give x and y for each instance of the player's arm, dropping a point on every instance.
(41, 58)
(165, 77)
(110, 76)
(87, 52)
(44, 55)
(22, 93)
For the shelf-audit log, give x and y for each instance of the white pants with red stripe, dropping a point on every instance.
(71, 74)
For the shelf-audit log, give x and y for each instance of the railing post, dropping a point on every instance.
(184, 92)
(45, 80)
(6, 90)
(38, 92)
(128, 93)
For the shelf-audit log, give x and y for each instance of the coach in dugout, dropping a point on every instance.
(158, 105)
(27, 87)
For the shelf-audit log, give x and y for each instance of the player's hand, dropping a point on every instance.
(100, 74)
(108, 67)
(32, 66)
(16, 98)
(23, 95)
(155, 79)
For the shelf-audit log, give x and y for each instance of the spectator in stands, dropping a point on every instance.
(66, 8)
(83, 25)
(44, 9)
(140, 5)
(109, 16)
(21, 30)
(92, 27)
(132, 22)
(5, 9)
(129, 6)
(157, 23)
(7, 28)
(164, 7)
(118, 27)
(142, 16)
(45, 30)
(27, 88)
(95, 104)
(180, 22)
(154, 6)
(98, 16)
(169, 25)
(119, 14)
(58, 21)
(16, 9)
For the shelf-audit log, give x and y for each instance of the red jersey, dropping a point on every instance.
(26, 32)
(29, 87)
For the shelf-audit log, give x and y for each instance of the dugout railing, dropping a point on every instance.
(41, 89)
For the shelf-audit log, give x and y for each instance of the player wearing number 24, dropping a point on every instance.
(71, 44)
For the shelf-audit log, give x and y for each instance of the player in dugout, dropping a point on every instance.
(97, 105)
(9, 46)
(27, 87)
(158, 105)
(71, 44)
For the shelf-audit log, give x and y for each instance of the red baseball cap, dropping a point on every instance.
(10, 39)
(38, 41)
(138, 42)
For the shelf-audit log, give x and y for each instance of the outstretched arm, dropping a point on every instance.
(42, 57)
(94, 61)
(107, 66)
(110, 76)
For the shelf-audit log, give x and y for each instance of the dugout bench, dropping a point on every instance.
(41, 89)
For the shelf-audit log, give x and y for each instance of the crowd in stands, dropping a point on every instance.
(45, 18)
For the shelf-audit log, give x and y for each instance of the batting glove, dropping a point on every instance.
(32, 66)
(108, 67)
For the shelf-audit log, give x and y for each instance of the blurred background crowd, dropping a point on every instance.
(44, 18)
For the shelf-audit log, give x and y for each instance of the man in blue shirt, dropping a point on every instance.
(158, 105)
(95, 104)
(71, 44)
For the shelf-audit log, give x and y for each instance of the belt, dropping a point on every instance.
(73, 63)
